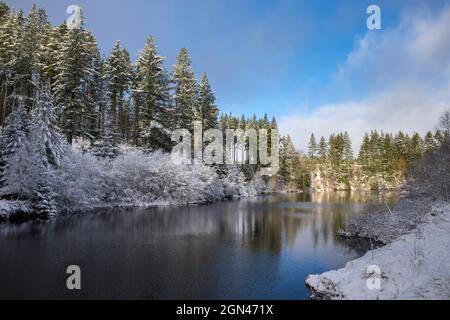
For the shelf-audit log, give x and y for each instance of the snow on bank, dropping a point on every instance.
(8, 208)
(133, 179)
(385, 225)
(415, 266)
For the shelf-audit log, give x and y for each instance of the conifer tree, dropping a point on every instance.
(430, 144)
(31, 41)
(348, 152)
(288, 159)
(322, 150)
(46, 138)
(4, 10)
(106, 147)
(273, 123)
(186, 91)
(10, 32)
(207, 110)
(264, 122)
(416, 147)
(439, 137)
(312, 146)
(150, 99)
(14, 153)
(118, 78)
(48, 149)
(76, 82)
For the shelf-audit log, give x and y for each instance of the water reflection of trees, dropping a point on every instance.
(263, 223)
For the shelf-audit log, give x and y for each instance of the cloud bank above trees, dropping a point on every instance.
(395, 79)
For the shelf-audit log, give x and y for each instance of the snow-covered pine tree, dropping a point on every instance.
(9, 45)
(312, 146)
(118, 73)
(429, 143)
(151, 100)
(439, 137)
(186, 91)
(48, 149)
(207, 111)
(95, 93)
(15, 150)
(77, 72)
(416, 147)
(21, 39)
(363, 157)
(106, 147)
(49, 54)
(264, 122)
(47, 140)
(348, 151)
(44, 200)
(4, 10)
(288, 160)
(27, 67)
(322, 150)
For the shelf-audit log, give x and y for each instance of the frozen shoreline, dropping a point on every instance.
(23, 209)
(414, 266)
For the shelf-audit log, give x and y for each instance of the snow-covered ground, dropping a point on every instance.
(414, 266)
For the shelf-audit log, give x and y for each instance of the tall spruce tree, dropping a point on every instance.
(151, 99)
(186, 91)
(312, 146)
(288, 160)
(118, 77)
(10, 33)
(48, 149)
(76, 82)
(322, 150)
(430, 144)
(207, 110)
(31, 42)
(348, 151)
(45, 134)
(15, 150)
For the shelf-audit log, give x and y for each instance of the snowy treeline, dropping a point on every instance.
(47, 175)
(382, 162)
(79, 131)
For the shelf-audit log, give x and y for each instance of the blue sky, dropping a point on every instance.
(286, 58)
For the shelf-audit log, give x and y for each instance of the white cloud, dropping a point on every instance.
(405, 75)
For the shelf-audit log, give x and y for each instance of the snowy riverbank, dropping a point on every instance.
(134, 178)
(414, 266)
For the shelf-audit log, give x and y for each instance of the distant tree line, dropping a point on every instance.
(382, 162)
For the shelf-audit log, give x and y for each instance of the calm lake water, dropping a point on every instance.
(261, 248)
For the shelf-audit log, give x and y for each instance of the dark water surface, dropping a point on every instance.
(261, 248)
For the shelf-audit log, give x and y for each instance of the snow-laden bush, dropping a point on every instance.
(384, 226)
(136, 178)
(236, 185)
(428, 183)
(153, 178)
(82, 180)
